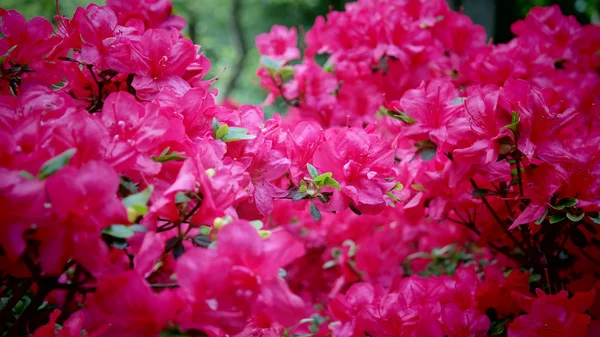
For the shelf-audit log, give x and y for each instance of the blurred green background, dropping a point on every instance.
(226, 28)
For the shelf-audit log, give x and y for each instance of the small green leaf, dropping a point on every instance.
(595, 219)
(314, 173)
(138, 228)
(26, 175)
(534, 278)
(119, 231)
(166, 156)
(391, 196)
(575, 218)
(282, 273)
(568, 202)
(180, 197)
(399, 115)
(215, 125)
(235, 134)
(558, 217)
(53, 165)
(263, 233)
(336, 252)
(542, 218)
(515, 121)
(325, 179)
(302, 188)
(201, 240)
(137, 204)
(299, 196)
(287, 71)
(458, 100)
(257, 224)
(222, 131)
(328, 67)
(428, 153)
(314, 211)
(272, 65)
(329, 264)
(418, 187)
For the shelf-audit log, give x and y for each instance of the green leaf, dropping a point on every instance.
(314, 211)
(558, 217)
(299, 196)
(180, 197)
(215, 125)
(235, 133)
(166, 156)
(542, 218)
(53, 165)
(534, 278)
(329, 264)
(119, 243)
(325, 179)
(137, 204)
(568, 202)
(458, 100)
(222, 131)
(391, 196)
(257, 224)
(270, 64)
(287, 71)
(596, 219)
(138, 228)
(418, 187)
(119, 231)
(314, 173)
(26, 175)
(515, 121)
(399, 115)
(302, 188)
(201, 240)
(127, 186)
(328, 67)
(575, 218)
(428, 153)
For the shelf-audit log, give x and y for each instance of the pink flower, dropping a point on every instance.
(553, 315)
(225, 286)
(279, 44)
(153, 13)
(360, 162)
(158, 59)
(83, 202)
(143, 314)
(31, 40)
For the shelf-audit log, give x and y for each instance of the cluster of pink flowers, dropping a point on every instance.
(423, 183)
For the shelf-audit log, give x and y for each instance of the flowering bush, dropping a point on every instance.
(423, 183)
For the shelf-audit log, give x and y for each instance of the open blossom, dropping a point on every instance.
(246, 277)
(361, 162)
(279, 44)
(553, 315)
